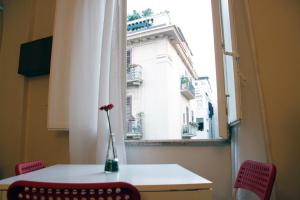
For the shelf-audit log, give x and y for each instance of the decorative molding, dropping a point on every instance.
(188, 142)
(162, 58)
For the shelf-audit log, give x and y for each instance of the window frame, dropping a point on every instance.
(221, 100)
(225, 119)
(223, 122)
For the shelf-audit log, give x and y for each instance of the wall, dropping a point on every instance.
(12, 86)
(23, 105)
(23, 134)
(211, 162)
(248, 139)
(37, 94)
(1, 23)
(276, 29)
(23, 102)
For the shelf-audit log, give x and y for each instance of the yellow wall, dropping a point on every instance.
(276, 26)
(23, 102)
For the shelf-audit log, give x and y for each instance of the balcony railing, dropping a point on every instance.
(135, 127)
(187, 88)
(134, 75)
(188, 131)
(151, 21)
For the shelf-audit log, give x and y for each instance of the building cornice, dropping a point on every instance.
(174, 36)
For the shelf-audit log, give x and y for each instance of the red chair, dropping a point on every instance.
(25, 167)
(257, 177)
(41, 190)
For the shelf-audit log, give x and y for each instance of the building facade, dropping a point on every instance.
(160, 81)
(204, 109)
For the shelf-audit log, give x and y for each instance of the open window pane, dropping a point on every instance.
(230, 88)
(226, 26)
(230, 64)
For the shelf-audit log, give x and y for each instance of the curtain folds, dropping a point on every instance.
(86, 72)
(112, 79)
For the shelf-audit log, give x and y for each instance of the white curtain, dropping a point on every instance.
(86, 72)
(112, 79)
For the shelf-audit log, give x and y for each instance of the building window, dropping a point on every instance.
(200, 124)
(128, 57)
(192, 114)
(174, 58)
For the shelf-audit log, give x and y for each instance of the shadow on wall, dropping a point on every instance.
(1, 22)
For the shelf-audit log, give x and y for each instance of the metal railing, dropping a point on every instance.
(161, 19)
(135, 127)
(187, 87)
(189, 130)
(134, 74)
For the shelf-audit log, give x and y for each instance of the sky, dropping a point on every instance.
(195, 20)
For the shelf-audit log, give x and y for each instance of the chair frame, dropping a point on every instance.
(44, 190)
(257, 177)
(26, 167)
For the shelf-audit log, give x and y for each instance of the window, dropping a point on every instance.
(128, 57)
(192, 114)
(128, 107)
(200, 124)
(174, 58)
(187, 115)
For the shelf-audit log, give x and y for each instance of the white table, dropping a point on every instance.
(162, 181)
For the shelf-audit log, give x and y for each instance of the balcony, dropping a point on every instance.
(186, 88)
(189, 131)
(151, 21)
(135, 127)
(139, 24)
(134, 75)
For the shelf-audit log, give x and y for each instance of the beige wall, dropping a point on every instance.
(211, 162)
(276, 26)
(24, 105)
(23, 102)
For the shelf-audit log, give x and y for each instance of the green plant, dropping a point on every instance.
(134, 16)
(147, 12)
(138, 15)
(184, 79)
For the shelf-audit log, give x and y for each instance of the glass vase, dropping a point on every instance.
(111, 162)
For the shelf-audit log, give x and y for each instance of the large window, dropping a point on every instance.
(181, 65)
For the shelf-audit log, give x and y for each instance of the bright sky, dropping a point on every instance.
(195, 20)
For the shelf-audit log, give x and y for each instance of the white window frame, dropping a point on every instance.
(224, 109)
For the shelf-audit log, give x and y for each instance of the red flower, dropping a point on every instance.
(106, 107)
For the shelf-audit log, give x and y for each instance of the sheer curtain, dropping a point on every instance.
(87, 71)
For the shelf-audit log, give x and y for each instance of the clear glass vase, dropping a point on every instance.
(111, 162)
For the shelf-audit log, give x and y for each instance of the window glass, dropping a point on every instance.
(230, 63)
(171, 71)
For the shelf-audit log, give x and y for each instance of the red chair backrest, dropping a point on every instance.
(25, 167)
(257, 177)
(41, 190)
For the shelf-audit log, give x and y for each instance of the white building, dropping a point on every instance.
(160, 78)
(203, 107)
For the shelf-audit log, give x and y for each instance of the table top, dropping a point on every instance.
(144, 177)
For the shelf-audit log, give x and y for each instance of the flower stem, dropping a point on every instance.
(110, 134)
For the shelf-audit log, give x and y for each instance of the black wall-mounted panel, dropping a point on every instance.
(35, 57)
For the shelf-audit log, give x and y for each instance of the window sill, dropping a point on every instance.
(200, 142)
